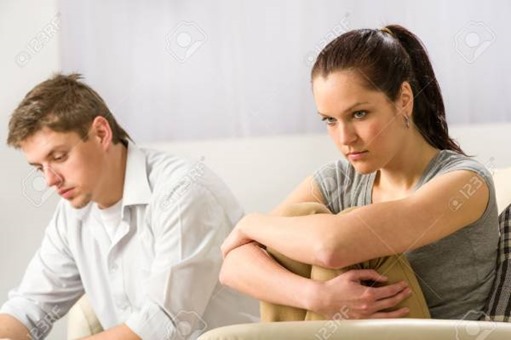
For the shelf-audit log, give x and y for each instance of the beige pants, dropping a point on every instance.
(396, 268)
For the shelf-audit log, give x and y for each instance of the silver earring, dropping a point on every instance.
(407, 121)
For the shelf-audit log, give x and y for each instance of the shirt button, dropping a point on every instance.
(114, 268)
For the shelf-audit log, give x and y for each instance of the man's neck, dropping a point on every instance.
(113, 185)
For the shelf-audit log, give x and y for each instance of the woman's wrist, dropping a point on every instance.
(248, 223)
(312, 299)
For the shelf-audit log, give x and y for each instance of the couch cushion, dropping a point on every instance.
(82, 320)
(499, 303)
(502, 180)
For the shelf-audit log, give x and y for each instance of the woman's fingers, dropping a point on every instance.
(400, 313)
(376, 299)
(365, 275)
(393, 301)
(389, 290)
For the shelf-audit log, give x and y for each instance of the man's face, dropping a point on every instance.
(69, 164)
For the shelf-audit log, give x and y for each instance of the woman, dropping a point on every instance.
(415, 191)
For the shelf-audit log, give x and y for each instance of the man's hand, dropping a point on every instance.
(346, 297)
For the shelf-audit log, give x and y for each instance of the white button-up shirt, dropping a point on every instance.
(159, 273)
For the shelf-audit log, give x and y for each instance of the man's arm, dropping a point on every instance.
(185, 233)
(50, 285)
(11, 328)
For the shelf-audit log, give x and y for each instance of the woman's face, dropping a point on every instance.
(367, 127)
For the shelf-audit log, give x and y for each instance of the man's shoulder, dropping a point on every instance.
(178, 175)
(164, 168)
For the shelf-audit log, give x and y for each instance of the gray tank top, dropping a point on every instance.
(455, 273)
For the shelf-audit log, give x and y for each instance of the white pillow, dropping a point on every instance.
(502, 180)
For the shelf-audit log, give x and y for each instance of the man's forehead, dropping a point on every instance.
(43, 142)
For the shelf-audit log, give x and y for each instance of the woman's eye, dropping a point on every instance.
(359, 114)
(329, 120)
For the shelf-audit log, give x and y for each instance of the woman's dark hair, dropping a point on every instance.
(385, 59)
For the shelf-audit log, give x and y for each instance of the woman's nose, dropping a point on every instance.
(347, 134)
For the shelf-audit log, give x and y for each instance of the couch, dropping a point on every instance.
(260, 172)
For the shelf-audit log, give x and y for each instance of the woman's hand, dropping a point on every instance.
(345, 297)
(237, 238)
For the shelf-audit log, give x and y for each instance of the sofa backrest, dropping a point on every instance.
(263, 171)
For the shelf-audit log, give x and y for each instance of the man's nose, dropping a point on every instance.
(52, 178)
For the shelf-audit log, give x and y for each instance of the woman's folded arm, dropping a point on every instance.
(375, 230)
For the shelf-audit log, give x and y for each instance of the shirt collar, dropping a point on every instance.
(136, 186)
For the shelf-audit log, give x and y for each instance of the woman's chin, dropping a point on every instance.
(363, 169)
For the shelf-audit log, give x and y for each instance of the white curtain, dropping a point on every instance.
(231, 68)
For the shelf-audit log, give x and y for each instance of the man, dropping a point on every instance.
(137, 230)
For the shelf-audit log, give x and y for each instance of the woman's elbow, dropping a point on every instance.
(225, 276)
(328, 256)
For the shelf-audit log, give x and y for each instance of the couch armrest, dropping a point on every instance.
(82, 320)
(389, 329)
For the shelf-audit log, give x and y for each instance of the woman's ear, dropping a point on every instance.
(405, 100)
(101, 131)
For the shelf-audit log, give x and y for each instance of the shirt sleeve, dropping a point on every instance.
(335, 182)
(51, 283)
(189, 225)
(469, 164)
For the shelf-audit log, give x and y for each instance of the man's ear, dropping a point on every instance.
(405, 100)
(101, 131)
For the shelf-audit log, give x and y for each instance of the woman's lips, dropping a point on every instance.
(355, 156)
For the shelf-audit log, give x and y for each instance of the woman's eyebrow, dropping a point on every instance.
(347, 110)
